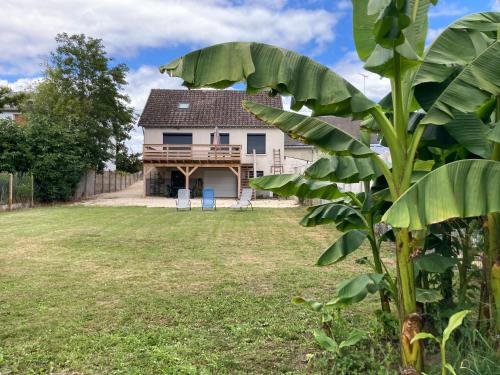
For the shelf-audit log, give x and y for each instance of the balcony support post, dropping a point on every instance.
(237, 173)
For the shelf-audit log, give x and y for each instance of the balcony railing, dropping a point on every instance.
(167, 153)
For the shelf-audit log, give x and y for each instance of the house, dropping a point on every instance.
(12, 113)
(179, 151)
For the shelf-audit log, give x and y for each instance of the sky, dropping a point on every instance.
(144, 34)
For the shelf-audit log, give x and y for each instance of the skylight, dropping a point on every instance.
(184, 105)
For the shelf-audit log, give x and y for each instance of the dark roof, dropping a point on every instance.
(207, 108)
(346, 124)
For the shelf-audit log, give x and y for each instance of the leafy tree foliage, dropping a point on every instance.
(130, 163)
(58, 165)
(84, 91)
(15, 152)
(8, 97)
(77, 119)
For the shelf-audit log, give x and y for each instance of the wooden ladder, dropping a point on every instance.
(277, 167)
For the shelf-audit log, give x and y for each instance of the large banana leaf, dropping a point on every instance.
(460, 70)
(356, 289)
(344, 216)
(494, 134)
(309, 130)
(289, 185)
(464, 188)
(263, 67)
(433, 263)
(468, 130)
(342, 247)
(344, 169)
(371, 19)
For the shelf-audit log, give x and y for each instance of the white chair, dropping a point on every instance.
(183, 201)
(245, 200)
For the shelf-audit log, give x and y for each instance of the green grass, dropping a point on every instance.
(130, 290)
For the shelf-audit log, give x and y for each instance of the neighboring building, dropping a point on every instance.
(299, 155)
(12, 113)
(179, 150)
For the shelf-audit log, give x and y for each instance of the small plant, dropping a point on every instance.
(330, 344)
(454, 322)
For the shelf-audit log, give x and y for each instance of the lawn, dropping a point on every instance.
(131, 290)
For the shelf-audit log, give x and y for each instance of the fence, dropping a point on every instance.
(93, 183)
(16, 190)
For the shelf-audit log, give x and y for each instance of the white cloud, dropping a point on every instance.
(21, 84)
(351, 69)
(495, 5)
(28, 27)
(344, 4)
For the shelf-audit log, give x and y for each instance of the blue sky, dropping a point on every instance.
(147, 33)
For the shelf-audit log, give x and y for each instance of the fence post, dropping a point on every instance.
(11, 183)
(32, 203)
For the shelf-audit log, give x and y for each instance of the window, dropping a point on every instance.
(224, 138)
(256, 142)
(183, 105)
(177, 138)
(259, 174)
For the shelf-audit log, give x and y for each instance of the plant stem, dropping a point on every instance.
(443, 359)
(400, 121)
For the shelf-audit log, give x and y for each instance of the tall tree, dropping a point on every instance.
(84, 91)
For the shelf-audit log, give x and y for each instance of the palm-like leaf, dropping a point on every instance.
(344, 169)
(309, 130)
(345, 216)
(289, 185)
(380, 58)
(460, 70)
(464, 188)
(469, 131)
(263, 67)
(342, 247)
(356, 289)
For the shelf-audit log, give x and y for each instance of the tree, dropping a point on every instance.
(82, 90)
(15, 152)
(390, 38)
(128, 162)
(8, 97)
(58, 165)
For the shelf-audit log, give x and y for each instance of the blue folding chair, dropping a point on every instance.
(208, 199)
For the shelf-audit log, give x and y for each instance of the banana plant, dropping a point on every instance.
(390, 39)
(455, 321)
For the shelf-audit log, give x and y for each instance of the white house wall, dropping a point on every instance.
(274, 140)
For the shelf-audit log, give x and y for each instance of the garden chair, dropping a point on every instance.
(245, 199)
(183, 201)
(208, 199)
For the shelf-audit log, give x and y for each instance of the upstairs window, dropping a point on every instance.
(183, 105)
(177, 138)
(224, 138)
(256, 142)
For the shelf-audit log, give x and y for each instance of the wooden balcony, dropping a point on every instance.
(191, 154)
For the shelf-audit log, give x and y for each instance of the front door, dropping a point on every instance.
(177, 181)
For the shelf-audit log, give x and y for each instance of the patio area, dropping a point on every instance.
(133, 196)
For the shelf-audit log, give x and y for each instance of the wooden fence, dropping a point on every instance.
(93, 183)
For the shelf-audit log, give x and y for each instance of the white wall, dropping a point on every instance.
(274, 140)
(7, 115)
